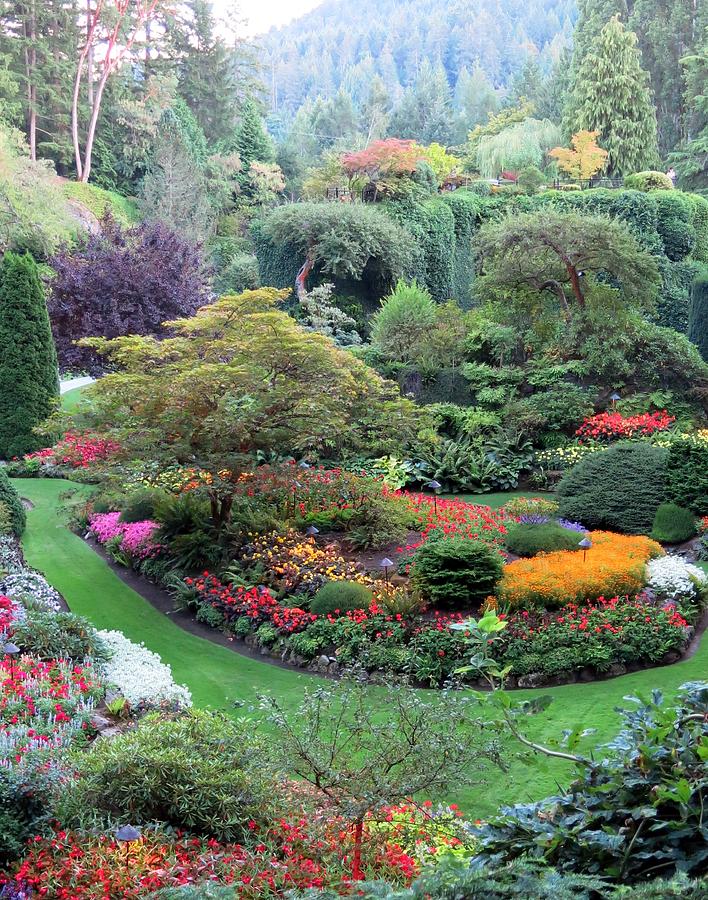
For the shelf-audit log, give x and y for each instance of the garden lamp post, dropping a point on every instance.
(127, 834)
(585, 545)
(614, 398)
(435, 487)
(11, 650)
(386, 564)
(312, 531)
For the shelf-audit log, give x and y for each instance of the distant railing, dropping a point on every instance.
(599, 182)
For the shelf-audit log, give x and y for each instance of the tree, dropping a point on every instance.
(698, 316)
(611, 95)
(28, 361)
(516, 147)
(498, 122)
(425, 111)
(121, 282)
(691, 157)
(584, 160)
(572, 257)
(359, 761)
(384, 162)
(250, 140)
(238, 378)
(475, 98)
(400, 326)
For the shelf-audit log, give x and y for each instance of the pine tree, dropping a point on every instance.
(698, 315)
(250, 139)
(28, 362)
(424, 113)
(612, 95)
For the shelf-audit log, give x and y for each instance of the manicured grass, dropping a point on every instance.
(494, 500)
(71, 399)
(219, 678)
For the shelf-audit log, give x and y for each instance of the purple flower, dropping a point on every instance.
(534, 519)
(572, 526)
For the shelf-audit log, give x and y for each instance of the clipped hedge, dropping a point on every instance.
(687, 475)
(10, 500)
(529, 540)
(673, 524)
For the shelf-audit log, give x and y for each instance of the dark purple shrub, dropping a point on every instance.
(122, 281)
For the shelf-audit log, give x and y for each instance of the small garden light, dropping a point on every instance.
(11, 650)
(312, 531)
(304, 464)
(435, 487)
(127, 834)
(585, 545)
(614, 398)
(386, 564)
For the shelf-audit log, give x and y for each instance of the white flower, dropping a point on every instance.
(140, 675)
(672, 578)
(33, 585)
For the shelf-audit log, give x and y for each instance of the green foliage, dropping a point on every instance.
(201, 772)
(206, 891)
(529, 540)
(10, 500)
(379, 521)
(648, 181)
(99, 201)
(520, 146)
(530, 179)
(674, 223)
(406, 315)
(456, 572)
(58, 635)
(141, 505)
(239, 274)
(687, 475)
(29, 384)
(25, 808)
(341, 597)
(698, 314)
(618, 489)
(673, 524)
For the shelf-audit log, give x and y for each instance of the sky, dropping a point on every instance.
(260, 15)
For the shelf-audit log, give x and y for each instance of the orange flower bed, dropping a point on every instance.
(613, 567)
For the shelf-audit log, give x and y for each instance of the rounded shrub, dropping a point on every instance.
(529, 540)
(342, 596)
(673, 524)
(618, 489)
(141, 506)
(687, 475)
(648, 181)
(16, 517)
(456, 571)
(58, 635)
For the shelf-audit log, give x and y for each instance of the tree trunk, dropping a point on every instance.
(89, 55)
(575, 283)
(30, 53)
(91, 133)
(301, 279)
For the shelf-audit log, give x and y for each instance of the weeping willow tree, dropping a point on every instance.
(523, 144)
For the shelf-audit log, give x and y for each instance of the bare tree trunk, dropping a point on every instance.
(301, 279)
(89, 55)
(91, 133)
(30, 53)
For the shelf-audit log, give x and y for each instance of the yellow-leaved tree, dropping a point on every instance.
(584, 159)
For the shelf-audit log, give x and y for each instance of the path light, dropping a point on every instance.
(614, 398)
(435, 487)
(312, 531)
(127, 834)
(11, 650)
(386, 564)
(585, 545)
(304, 464)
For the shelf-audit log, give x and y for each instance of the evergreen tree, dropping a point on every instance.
(698, 315)
(28, 362)
(611, 95)
(475, 98)
(250, 140)
(691, 157)
(424, 113)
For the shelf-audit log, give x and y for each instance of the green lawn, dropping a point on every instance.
(71, 399)
(218, 677)
(493, 500)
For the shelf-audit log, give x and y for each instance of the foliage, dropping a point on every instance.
(382, 162)
(673, 524)
(698, 314)
(28, 361)
(166, 770)
(687, 474)
(122, 281)
(456, 571)
(619, 488)
(10, 500)
(323, 315)
(584, 159)
(337, 597)
(648, 181)
(518, 146)
(532, 539)
(613, 566)
(25, 808)
(613, 426)
(50, 635)
(406, 316)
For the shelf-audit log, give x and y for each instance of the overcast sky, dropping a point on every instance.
(262, 14)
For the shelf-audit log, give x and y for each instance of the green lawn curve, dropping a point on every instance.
(220, 678)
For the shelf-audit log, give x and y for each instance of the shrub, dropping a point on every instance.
(58, 635)
(673, 524)
(648, 181)
(404, 319)
(456, 571)
(24, 809)
(674, 223)
(698, 314)
(529, 540)
(613, 566)
(381, 520)
(206, 891)
(617, 489)
(199, 771)
(11, 501)
(687, 475)
(139, 507)
(341, 596)
(29, 385)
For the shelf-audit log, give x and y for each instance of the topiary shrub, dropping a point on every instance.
(687, 475)
(648, 181)
(456, 572)
(698, 314)
(529, 540)
(341, 596)
(674, 223)
(201, 772)
(11, 501)
(673, 524)
(618, 489)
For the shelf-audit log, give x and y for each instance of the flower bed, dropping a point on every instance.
(135, 539)
(77, 451)
(613, 426)
(613, 566)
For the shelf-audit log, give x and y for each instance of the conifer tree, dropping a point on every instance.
(29, 384)
(611, 95)
(698, 315)
(251, 140)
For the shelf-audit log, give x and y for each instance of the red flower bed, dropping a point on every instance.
(77, 450)
(456, 517)
(612, 426)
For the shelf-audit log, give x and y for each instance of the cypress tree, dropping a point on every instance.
(29, 384)
(251, 140)
(698, 315)
(611, 94)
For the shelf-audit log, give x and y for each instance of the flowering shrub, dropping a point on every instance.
(598, 635)
(458, 518)
(671, 577)
(135, 539)
(703, 525)
(525, 507)
(26, 583)
(613, 566)
(43, 705)
(77, 450)
(140, 675)
(613, 426)
(562, 458)
(9, 613)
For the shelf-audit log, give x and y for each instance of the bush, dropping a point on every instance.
(456, 571)
(24, 810)
(11, 501)
(529, 540)
(687, 475)
(380, 520)
(58, 635)
(342, 596)
(238, 275)
(674, 223)
(139, 507)
(698, 314)
(618, 489)
(404, 319)
(201, 772)
(206, 891)
(648, 181)
(673, 524)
